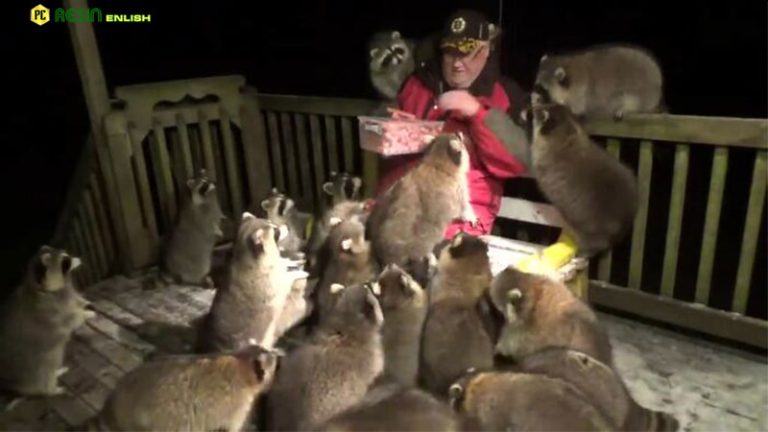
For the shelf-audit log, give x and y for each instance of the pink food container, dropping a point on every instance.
(389, 137)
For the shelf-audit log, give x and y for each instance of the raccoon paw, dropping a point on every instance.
(56, 390)
(61, 371)
(88, 314)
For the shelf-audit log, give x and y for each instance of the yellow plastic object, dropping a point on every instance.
(309, 227)
(552, 257)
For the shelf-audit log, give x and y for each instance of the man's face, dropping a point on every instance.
(460, 71)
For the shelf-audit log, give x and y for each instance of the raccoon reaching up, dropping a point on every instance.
(601, 385)
(342, 187)
(602, 81)
(282, 211)
(456, 335)
(596, 193)
(317, 251)
(412, 215)
(203, 392)
(404, 303)
(350, 263)
(248, 308)
(542, 313)
(496, 401)
(187, 256)
(333, 371)
(36, 323)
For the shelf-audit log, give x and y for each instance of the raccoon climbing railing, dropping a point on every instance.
(700, 216)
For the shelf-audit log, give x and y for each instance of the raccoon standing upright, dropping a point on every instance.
(189, 392)
(404, 303)
(410, 218)
(602, 81)
(36, 323)
(281, 210)
(350, 262)
(247, 310)
(187, 255)
(595, 192)
(333, 371)
(456, 335)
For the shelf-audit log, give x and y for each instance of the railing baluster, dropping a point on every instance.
(92, 223)
(293, 188)
(751, 233)
(641, 219)
(233, 172)
(331, 143)
(317, 158)
(675, 221)
(221, 172)
(255, 151)
(90, 243)
(87, 269)
(140, 169)
(606, 260)
(300, 123)
(103, 219)
(184, 151)
(207, 146)
(349, 146)
(277, 154)
(163, 176)
(711, 224)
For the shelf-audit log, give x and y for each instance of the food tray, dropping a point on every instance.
(390, 137)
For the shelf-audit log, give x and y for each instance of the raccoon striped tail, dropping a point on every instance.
(659, 421)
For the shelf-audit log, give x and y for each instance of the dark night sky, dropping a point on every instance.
(713, 57)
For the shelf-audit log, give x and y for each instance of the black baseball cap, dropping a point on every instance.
(464, 31)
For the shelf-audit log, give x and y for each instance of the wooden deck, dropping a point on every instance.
(706, 386)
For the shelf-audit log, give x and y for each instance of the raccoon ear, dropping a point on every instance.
(38, 270)
(372, 309)
(395, 35)
(374, 52)
(265, 204)
(334, 221)
(375, 288)
(282, 233)
(247, 215)
(525, 114)
(427, 139)
(543, 57)
(358, 183)
(407, 285)
(346, 244)
(514, 295)
(560, 75)
(191, 183)
(336, 288)
(581, 360)
(457, 239)
(328, 188)
(455, 393)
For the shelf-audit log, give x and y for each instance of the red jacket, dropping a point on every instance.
(489, 161)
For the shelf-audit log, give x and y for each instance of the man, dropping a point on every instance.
(463, 86)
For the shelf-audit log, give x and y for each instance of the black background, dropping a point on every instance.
(713, 57)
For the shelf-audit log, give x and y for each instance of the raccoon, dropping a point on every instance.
(36, 323)
(392, 407)
(412, 215)
(350, 263)
(495, 400)
(248, 308)
(596, 194)
(203, 392)
(542, 313)
(602, 81)
(342, 187)
(601, 385)
(404, 303)
(332, 372)
(317, 251)
(456, 336)
(187, 255)
(391, 61)
(281, 211)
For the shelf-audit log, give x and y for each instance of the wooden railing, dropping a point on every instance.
(251, 142)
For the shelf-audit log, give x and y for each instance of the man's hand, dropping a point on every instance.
(460, 101)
